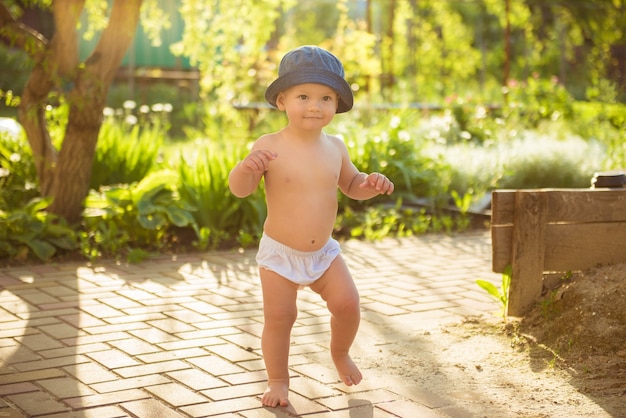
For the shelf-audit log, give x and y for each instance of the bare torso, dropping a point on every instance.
(301, 190)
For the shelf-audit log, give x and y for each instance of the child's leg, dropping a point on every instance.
(342, 298)
(280, 312)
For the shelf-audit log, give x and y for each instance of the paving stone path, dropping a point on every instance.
(181, 337)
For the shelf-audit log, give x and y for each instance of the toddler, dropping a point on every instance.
(302, 167)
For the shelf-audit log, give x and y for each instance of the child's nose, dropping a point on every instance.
(315, 105)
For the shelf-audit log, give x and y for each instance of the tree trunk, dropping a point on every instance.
(65, 174)
(31, 115)
(31, 112)
(69, 180)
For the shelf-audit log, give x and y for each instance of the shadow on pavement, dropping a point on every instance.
(33, 356)
(74, 338)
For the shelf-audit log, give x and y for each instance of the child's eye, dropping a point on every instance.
(327, 98)
(303, 97)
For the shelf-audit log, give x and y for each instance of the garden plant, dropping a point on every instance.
(453, 100)
(179, 201)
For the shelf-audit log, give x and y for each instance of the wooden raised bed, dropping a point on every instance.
(554, 230)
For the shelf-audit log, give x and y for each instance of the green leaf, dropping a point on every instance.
(179, 217)
(42, 249)
(65, 243)
(506, 280)
(56, 230)
(37, 204)
(153, 221)
(490, 288)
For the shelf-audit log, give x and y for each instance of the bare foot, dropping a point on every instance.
(276, 393)
(348, 372)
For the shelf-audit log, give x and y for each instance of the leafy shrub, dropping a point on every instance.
(536, 100)
(391, 146)
(178, 105)
(605, 123)
(129, 141)
(449, 159)
(532, 161)
(18, 179)
(463, 121)
(137, 215)
(31, 230)
(204, 184)
(377, 222)
(127, 150)
(537, 162)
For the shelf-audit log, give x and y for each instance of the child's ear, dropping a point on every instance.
(280, 101)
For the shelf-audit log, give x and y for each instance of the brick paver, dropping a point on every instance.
(180, 337)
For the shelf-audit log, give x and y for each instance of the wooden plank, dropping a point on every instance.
(565, 250)
(501, 243)
(527, 251)
(502, 209)
(565, 205)
(554, 230)
(502, 206)
(580, 247)
(585, 205)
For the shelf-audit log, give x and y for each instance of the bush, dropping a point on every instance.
(377, 222)
(538, 162)
(18, 179)
(220, 216)
(604, 123)
(452, 158)
(124, 217)
(30, 230)
(537, 99)
(391, 145)
(178, 104)
(532, 161)
(127, 150)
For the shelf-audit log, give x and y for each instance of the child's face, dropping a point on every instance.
(310, 106)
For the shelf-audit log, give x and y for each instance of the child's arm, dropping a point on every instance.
(245, 176)
(377, 182)
(365, 186)
(358, 185)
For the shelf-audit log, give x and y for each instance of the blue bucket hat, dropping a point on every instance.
(311, 64)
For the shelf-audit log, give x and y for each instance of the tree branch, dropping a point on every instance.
(31, 111)
(64, 44)
(115, 39)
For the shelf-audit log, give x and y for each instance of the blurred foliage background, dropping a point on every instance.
(453, 98)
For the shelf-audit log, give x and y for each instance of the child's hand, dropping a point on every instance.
(378, 182)
(258, 161)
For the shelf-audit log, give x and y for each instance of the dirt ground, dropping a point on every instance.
(566, 359)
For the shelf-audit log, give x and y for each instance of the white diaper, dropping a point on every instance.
(299, 267)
